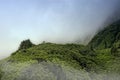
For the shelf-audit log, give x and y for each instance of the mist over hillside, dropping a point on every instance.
(99, 60)
(61, 21)
(61, 40)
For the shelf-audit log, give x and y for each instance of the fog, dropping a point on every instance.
(50, 71)
(58, 21)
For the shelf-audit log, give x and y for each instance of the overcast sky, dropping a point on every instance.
(50, 20)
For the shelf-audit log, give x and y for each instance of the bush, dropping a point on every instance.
(26, 44)
(1, 73)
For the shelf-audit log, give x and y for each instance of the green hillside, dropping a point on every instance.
(99, 60)
(106, 37)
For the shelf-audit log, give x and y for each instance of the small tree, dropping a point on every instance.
(26, 44)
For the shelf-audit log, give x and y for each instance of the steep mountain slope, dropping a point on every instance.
(106, 37)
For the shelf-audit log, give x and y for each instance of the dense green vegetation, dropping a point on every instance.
(106, 37)
(64, 61)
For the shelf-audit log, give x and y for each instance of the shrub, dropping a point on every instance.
(26, 44)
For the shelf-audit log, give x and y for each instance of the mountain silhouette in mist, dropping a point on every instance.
(50, 61)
